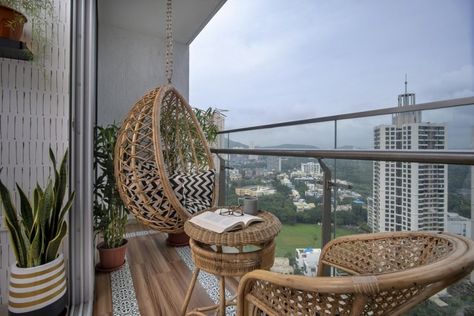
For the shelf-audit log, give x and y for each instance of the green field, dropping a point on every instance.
(302, 236)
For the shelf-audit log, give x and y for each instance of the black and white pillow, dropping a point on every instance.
(197, 190)
(199, 185)
(194, 206)
(194, 191)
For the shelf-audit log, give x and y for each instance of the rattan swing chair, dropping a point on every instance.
(163, 166)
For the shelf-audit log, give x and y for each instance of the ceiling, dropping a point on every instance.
(148, 16)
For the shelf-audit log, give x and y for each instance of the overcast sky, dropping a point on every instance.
(268, 61)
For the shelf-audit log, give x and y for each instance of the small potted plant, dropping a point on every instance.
(37, 280)
(110, 215)
(15, 13)
(11, 23)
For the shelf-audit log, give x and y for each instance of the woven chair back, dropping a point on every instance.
(383, 274)
(159, 139)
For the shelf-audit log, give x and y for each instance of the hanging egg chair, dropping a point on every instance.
(163, 166)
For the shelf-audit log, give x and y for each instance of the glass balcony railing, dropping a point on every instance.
(390, 170)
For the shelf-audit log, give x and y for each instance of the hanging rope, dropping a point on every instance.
(169, 42)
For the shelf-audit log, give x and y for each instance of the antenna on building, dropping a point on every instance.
(406, 84)
(406, 99)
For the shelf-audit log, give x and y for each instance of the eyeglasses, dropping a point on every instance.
(235, 212)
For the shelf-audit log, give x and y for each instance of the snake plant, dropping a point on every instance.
(37, 235)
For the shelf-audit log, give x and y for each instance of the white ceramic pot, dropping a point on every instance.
(39, 290)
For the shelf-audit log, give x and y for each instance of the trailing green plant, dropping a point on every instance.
(37, 235)
(40, 14)
(110, 214)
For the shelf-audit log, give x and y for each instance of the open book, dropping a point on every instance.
(223, 223)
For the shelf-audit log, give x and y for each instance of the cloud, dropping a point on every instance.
(269, 61)
(452, 84)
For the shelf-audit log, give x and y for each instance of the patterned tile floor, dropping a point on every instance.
(124, 301)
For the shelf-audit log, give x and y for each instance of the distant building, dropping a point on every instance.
(459, 225)
(248, 173)
(219, 121)
(307, 260)
(235, 175)
(274, 163)
(252, 157)
(408, 196)
(282, 265)
(295, 194)
(311, 168)
(297, 174)
(301, 205)
(343, 207)
(254, 190)
(287, 182)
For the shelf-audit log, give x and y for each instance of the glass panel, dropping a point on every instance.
(458, 124)
(367, 196)
(449, 128)
(308, 136)
(358, 133)
(353, 187)
(292, 189)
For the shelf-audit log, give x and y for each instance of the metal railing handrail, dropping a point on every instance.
(421, 156)
(384, 111)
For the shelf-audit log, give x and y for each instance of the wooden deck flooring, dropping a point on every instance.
(160, 278)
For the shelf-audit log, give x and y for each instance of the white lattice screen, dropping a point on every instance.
(34, 115)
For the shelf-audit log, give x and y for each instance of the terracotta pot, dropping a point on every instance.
(111, 258)
(39, 290)
(177, 240)
(6, 16)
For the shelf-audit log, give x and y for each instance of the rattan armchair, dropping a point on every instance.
(386, 274)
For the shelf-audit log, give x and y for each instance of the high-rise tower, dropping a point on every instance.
(408, 196)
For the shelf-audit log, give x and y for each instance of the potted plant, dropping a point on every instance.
(110, 215)
(37, 280)
(11, 23)
(15, 13)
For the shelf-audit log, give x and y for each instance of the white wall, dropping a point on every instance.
(34, 115)
(129, 65)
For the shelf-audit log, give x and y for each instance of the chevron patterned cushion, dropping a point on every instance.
(197, 190)
(151, 185)
(177, 184)
(194, 206)
(199, 185)
(194, 191)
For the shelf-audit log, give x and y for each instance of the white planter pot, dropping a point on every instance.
(39, 290)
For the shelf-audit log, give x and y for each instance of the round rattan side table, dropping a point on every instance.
(250, 248)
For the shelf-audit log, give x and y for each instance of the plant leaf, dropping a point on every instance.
(44, 209)
(60, 191)
(36, 197)
(53, 246)
(53, 159)
(10, 211)
(13, 225)
(66, 207)
(18, 248)
(26, 212)
(34, 251)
